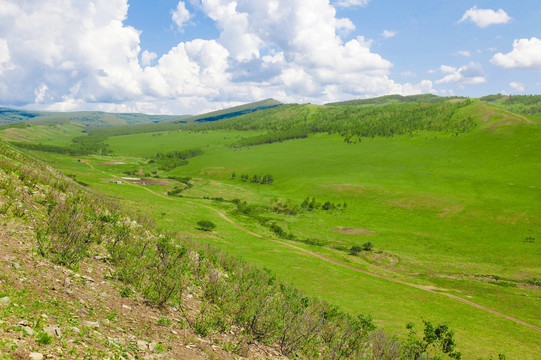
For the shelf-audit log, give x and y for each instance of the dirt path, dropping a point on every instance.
(417, 286)
(329, 260)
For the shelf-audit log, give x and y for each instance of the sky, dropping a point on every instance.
(194, 56)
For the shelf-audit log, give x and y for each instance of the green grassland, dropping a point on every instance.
(456, 212)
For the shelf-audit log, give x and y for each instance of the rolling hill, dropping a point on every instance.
(409, 211)
(86, 118)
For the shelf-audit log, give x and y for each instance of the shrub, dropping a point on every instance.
(206, 225)
(126, 292)
(44, 339)
(367, 246)
(355, 250)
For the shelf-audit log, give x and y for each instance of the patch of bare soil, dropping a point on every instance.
(352, 231)
(115, 163)
(381, 258)
(150, 182)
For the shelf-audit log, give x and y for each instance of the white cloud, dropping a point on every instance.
(40, 93)
(388, 34)
(472, 73)
(5, 63)
(147, 57)
(465, 53)
(344, 25)
(350, 3)
(485, 17)
(62, 55)
(517, 86)
(304, 34)
(181, 15)
(61, 44)
(526, 54)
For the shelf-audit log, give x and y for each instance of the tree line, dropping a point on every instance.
(298, 121)
(258, 179)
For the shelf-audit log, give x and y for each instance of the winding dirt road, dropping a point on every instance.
(417, 286)
(329, 260)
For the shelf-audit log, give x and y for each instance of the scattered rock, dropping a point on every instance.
(83, 312)
(5, 301)
(28, 330)
(36, 356)
(114, 343)
(91, 324)
(88, 278)
(152, 346)
(75, 330)
(155, 357)
(142, 345)
(16, 265)
(53, 331)
(67, 282)
(126, 307)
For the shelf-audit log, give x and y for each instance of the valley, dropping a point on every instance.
(438, 220)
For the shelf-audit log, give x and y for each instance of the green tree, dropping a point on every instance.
(206, 225)
(355, 250)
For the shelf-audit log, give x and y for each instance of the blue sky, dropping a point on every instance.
(188, 57)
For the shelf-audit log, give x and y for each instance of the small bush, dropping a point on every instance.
(44, 339)
(206, 225)
(126, 292)
(354, 250)
(367, 246)
(163, 321)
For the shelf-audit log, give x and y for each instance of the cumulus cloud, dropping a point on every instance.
(147, 57)
(77, 49)
(517, 86)
(472, 73)
(351, 3)
(485, 17)
(59, 55)
(526, 54)
(4, 56)
(388, 34)
(181, 15)
(465, 53)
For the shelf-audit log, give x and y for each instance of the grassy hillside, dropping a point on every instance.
(521, 104)
(141, 288)
(449, 203)
(390, 99)
(86, 118)
(236, 111)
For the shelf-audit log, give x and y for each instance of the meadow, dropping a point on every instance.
(452, 212)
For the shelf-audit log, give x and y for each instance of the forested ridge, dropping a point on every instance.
(294, 121)
(522, 104)
(350, 122)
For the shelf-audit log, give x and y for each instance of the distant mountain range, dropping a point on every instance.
(104, 119)
(89, 118)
